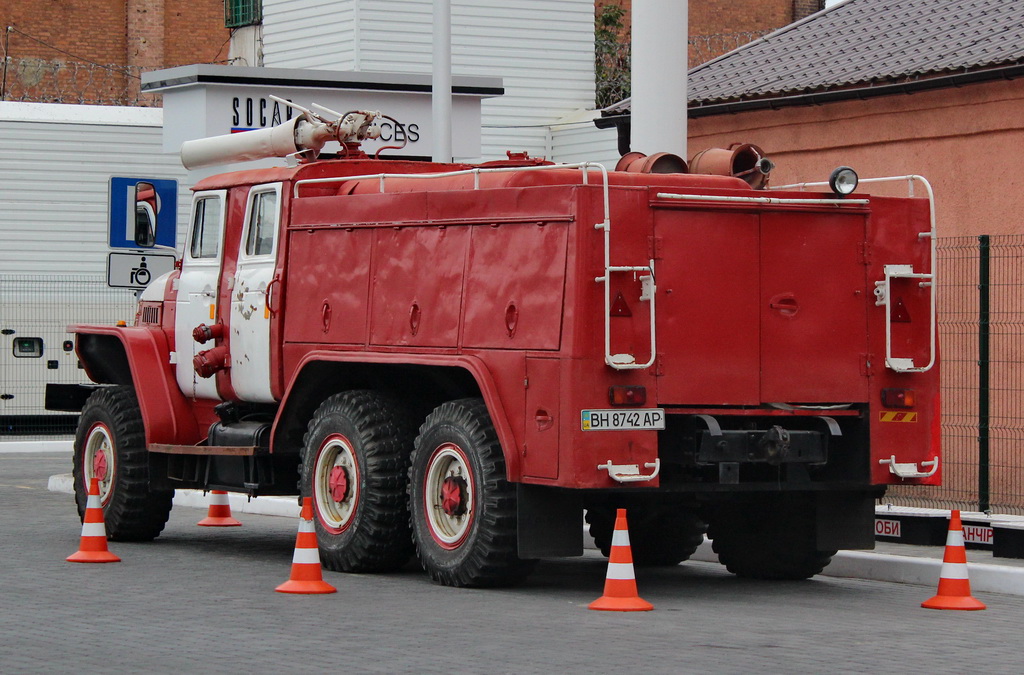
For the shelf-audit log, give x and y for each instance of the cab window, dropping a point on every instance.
(262, 224)
(206, 225)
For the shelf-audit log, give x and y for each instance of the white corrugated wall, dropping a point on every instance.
(576, 139)
(542, 49)
(55, 165)
(302, 34)
(54, 177)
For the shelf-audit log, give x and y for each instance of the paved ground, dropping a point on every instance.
(200, 599)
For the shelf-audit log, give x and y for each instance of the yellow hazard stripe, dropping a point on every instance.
(892, 416)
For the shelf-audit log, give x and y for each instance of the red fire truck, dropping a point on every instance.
(457, 362)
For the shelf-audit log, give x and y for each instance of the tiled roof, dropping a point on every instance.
(867, 42)
(863, 43)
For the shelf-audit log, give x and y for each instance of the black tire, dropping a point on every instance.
(354, 466)
(659, 536)
(464, 518)
(111, 445)
(773, 540)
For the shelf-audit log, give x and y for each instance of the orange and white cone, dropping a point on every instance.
(954, 586)
(93, 546)
(620, 594)
(307, 575)
(219, 513)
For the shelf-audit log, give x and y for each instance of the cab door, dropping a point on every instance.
(196, 302)
(251, 294)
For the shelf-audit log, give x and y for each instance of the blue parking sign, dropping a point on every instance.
(143, 212)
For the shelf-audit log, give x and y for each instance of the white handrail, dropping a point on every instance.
(928, 279)
(630, 473)
(910, 469)
(585, 167)
(764, 200)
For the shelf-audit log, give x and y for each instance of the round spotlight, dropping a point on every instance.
(843, 180)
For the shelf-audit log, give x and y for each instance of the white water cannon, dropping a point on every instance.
(305, 135)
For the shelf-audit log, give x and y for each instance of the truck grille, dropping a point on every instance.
(150, 314)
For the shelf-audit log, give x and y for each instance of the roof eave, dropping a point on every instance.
(1007, 72)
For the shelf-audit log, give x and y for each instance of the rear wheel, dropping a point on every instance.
(659, 535)
(463, 509)
(354, 467)
(768, 539)
(110, 445)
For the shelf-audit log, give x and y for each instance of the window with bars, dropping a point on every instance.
(238, 13)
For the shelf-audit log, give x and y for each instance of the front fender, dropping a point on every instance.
(140, 357)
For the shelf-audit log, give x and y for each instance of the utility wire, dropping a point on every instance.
(118, 69)
(126, 70)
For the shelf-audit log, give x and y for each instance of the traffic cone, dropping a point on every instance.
(219, 514)
(954, 586)
(93, 546)
(620, 593)
(307, 575)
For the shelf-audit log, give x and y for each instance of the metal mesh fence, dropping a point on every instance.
(981, 305)
(1001, 423)
(35, 348)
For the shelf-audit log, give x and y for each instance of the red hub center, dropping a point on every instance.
(453, 496)
(338, 483)
(99, 465)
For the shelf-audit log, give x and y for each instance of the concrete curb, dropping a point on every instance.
(905, 569)
(985, 578)
(901, 569)
(19, 447)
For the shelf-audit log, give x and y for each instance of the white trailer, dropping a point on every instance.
(56, 163)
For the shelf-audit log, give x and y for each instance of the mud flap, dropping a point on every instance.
(550, 522)
(846, 520)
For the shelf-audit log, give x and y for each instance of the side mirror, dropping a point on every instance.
(147, 205)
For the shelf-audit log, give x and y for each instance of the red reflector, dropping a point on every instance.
(627, 395)
(898, 398)
(619, 306)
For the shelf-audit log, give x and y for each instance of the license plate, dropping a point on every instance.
(647, 419)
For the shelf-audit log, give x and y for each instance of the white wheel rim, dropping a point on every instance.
(336, 463)
(448, 526)
(99, 460)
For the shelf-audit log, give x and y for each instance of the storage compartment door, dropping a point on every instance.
(708, 325)
(813, 308)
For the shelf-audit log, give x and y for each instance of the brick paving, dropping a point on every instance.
(202, 600)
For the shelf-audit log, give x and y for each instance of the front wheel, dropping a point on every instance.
(463, 509)
(110, 445)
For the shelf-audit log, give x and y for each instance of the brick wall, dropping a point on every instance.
(202, 21)
(59, 49)
(144, 33)
(93, 30)
(802, 8)
(728, 17)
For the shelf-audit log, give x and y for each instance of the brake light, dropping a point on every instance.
(898, 398)
(627, 395)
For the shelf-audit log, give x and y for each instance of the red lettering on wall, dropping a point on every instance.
(887, 528)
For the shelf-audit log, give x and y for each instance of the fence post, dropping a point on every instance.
(984, 286)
